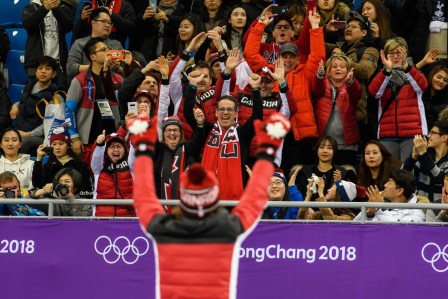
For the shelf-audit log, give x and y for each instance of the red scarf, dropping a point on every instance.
(222, 155)
(114, 6)
(172, 168)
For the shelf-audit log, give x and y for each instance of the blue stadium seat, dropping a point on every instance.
(16, 68)
(11, 12)
(18, 37)
(15, 92)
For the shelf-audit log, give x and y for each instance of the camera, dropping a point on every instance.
(279, 10)
(9, 193)
(48, 150)
(87, 3)
(61, 189)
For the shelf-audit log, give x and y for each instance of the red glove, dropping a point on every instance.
(143, 134)
(270, 134)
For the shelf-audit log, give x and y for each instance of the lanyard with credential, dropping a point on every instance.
(89, 87)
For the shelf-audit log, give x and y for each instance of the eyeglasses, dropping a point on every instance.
(351, 27)
(396, 54)
(432, 132)
(105, 22)
(276, 183)
(101, 50)
(280, 27)
(174, 131)
(224, 109)
(116, 146)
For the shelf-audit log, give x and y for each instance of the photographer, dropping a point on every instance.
(10, 188)
(66, 185)
(60, 155)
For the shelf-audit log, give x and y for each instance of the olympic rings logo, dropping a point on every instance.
(437, 254)
(122, 248)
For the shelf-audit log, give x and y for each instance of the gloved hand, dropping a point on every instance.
(270, 134)
(143, 134)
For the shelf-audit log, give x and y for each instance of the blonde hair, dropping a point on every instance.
(348, 61)
(395, 43)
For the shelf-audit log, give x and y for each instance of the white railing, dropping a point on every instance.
(229, 203)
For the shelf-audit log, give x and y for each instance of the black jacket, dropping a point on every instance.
(33, 21)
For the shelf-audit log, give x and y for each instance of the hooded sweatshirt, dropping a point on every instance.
(22, 168)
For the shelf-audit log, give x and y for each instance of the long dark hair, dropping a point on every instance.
(333, 143)
(227, 35)
(197, 25)
(383, 18)
(77, 159)
(388, 165)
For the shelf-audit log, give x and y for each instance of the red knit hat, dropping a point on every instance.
(60, 137)
(198, 190)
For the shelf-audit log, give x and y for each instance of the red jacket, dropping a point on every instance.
(115, 181)
(195, 256)
(346, 99)
(405, 117)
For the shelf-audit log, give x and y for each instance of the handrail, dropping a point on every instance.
(230, 203)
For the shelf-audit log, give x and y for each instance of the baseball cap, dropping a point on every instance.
(289, 47)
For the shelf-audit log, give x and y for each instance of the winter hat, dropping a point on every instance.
(198, 190)
(60, 137)
(213, 58)
(364, 21)
(350, 191)
(171, 120)
(114, 137)
(144, 93)
(264, 74)
(279, 173)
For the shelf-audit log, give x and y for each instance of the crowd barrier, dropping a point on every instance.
(56, 258)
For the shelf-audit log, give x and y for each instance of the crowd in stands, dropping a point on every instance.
(364, 84)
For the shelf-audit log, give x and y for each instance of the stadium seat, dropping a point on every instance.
(16, 68)
(15, 92)
(18, 37)
(11, 12)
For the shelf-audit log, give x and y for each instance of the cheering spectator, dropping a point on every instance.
(427, 160)
(112, 167)
(337, 93)
(399, 188)
(399, 89)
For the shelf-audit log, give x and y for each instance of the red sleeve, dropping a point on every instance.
(146, 202)
(303, 42)
(375, 85)
(252, 48)
(246, 35)
(318, 87)
(255, 194)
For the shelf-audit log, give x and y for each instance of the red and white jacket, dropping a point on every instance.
(346, 98)
(405, 117)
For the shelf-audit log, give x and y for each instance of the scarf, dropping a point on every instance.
(222, 155)
(173, 166)
(114, 6)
